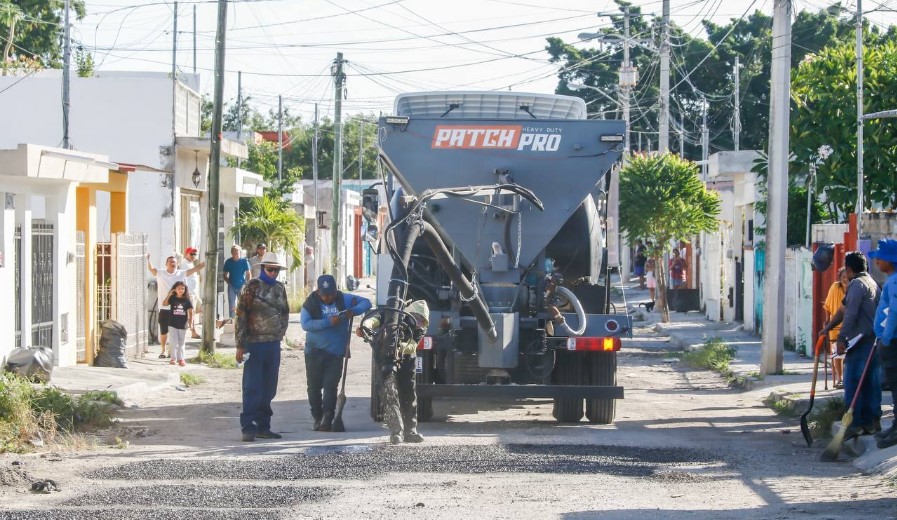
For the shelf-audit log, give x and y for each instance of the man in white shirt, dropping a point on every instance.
(255, 263)
(164, 280)
(190, 256)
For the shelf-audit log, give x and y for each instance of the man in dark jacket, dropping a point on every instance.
(326, 317)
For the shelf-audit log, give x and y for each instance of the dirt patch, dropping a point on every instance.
(13, 475)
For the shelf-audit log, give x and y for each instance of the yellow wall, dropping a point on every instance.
(86, 221)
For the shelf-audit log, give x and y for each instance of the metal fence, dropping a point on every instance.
(104, 282)
(129, 288)
(80, 277)
(42, 289)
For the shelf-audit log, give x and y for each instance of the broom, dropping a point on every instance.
(337, 425)
(834, 447)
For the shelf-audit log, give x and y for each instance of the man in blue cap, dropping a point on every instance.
(326, 317)
(885, 257)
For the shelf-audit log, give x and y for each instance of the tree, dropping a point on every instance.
(270, 220)
(824, 94)
(31, 28)
(662, 197)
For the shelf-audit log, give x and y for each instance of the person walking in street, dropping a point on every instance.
(650, 279)
(400, 394)
(677, 267)
(190, 256)
(255, 263)
(641, 258)
(181, 313)
(165, 280)
(831, 306)
(236, 273)
(856, 320)
(326, 315)
(885, 257)
(262, 317)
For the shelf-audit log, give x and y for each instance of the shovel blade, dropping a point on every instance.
(805, 430)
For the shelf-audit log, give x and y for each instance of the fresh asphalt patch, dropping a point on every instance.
(205, 496)
(140, 514)
(366, 463)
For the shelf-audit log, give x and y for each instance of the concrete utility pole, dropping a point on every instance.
(338, 77)
(239, 105)
(360, 149)
(736, 130)
(314, 176)
(628, 78)
(681, 136)
(663, 143)
(860, 178)
(705, 139)
(66, 78)
(772, 348)
(279, 138)
(213, 248)
(174, 85)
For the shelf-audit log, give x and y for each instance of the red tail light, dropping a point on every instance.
(594, 344)
(426, 343)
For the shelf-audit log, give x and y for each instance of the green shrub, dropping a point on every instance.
(188, 379)
(216, 360)
(715, 354)
(823, 417)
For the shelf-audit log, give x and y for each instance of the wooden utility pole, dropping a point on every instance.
(335, 256)
(772, 348)
(213, 247)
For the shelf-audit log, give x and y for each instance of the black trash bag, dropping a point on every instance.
(352, 283)
(823, 257)
(35, 363)
(113, 339)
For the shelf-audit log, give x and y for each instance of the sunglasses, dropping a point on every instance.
(272, 269)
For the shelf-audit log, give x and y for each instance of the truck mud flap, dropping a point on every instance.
(522, 391)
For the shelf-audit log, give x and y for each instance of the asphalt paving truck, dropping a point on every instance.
(496, 217)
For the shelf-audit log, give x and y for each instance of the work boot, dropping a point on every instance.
(873, 427)
(326, 423)
(248, 437)
(268, 435)
(395, 438)
(317, 424)
(888, 440)
(884, 433)
(413, 436)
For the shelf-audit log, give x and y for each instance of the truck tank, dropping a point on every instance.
(493, 204)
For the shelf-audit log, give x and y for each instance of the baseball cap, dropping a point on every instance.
(191, 251)
(261, 245)
(326, 285)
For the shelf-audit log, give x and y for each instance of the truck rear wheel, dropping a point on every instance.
(425, 404)
(602, 372)
(568, 370)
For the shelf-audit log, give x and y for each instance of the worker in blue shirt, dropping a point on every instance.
(885, 257)
(326, 318)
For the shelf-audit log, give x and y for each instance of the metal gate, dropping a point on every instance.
(17, 238)
(128, 288)
(41, 284)
(80, 277)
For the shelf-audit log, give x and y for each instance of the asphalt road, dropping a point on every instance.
(684, 445)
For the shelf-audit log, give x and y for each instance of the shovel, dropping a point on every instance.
(337, 425)
(804, 427)
(834, 447)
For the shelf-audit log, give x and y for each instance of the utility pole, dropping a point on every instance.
(280, 139)
(338, 77)
(314, 176)
(174, 85)
(360, 149)
(705, 139)
(736, 131)
(66, 79)
(213, 248)
(239, 105)
(681, 136)
(771, 351)
(194, 39)
(860, 178)
(628, 77)
(664, 138)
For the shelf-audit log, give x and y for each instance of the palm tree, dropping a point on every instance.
(272, 221)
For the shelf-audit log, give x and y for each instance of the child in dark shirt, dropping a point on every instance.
(181, 315)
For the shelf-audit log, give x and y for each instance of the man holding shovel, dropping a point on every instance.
(325, 317)
(885, 257)
(860, 303)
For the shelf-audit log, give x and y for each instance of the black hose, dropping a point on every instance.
(468, 293)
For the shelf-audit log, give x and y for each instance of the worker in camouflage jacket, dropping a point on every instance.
(399, 394)
(263, 314)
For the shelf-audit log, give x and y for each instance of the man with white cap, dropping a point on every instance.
(165, 279)
(262, 317)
